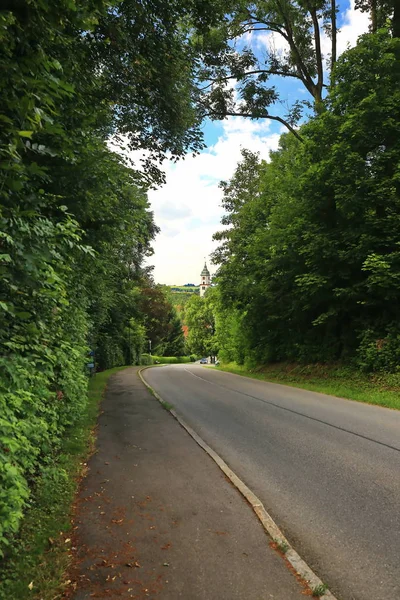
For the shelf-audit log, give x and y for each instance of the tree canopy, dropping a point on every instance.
(76, 226)
(310, 261)
(257, 42)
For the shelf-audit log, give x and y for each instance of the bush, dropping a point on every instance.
(171, 360)
(377, 353)
(146, 359)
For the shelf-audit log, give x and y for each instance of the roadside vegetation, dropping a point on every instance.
(310, 263)
(309, 259)
(75, 223)
(146, 359)
(36, 563)
(382, 389)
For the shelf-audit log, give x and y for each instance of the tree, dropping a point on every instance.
(200, 320)
(231, 54)
(310, 264)
(162, 323)
(380, 12)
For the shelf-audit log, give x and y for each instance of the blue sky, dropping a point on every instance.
(187, 207)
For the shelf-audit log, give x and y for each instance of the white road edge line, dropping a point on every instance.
(300, 566)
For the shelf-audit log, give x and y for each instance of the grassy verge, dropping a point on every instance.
(336, 380)
(37, 562)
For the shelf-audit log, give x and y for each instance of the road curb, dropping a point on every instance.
(295, 560)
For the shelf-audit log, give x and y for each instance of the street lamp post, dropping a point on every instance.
(150, 347)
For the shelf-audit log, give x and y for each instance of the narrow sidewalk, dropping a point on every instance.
(156, 518)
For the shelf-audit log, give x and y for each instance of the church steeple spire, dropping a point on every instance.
(205, 280)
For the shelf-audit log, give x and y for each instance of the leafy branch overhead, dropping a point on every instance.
(258, 42)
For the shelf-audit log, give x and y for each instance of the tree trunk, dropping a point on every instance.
(318, 55)
(374, 17)
(334, 34)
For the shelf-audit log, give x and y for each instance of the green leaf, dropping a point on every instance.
(23, 315)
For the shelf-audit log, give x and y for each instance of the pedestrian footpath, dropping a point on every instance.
(156, 518)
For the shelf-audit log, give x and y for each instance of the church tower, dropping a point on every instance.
(205, 280)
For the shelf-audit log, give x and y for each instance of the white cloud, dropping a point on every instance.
(188, 207)
(273, 42)
(355, 23)
(170, 211)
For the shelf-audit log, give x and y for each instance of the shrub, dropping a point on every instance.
(171, 360)
(146, 359)
(377, 353)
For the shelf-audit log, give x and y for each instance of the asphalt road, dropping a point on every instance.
(326, 469)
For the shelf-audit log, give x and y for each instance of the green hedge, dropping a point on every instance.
(147, 359)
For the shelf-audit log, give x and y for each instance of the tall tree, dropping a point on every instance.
(257, 41)
(311, 262)
(162, 323)
(199, 317)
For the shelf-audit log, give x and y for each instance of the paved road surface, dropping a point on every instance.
(327, 469)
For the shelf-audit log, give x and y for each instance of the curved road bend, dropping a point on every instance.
(327, 469)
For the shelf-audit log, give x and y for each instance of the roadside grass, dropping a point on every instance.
(282, 547)
(39, 557)
(167, 405)
(319, 590)
(381, 389)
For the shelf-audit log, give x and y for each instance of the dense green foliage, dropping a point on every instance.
(148, 359)
(40, 554)
(162, 322)
(75, 223)
(310, 263)
(180, 295)
(199, 317)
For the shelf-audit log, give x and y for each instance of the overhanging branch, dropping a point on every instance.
(251, 116)
(256, 72)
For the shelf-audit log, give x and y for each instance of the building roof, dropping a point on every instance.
(205, 272)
